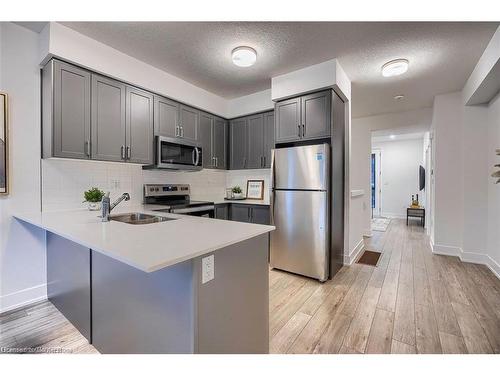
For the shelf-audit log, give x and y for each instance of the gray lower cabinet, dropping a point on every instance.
(222, 211)
(166, 114)
(260, 215)
(66, 111)
(256, 214)
(140, 128)
(238, 144)
(303, 118)
(108, 119)
(68, 281)
(240, 212)
(251, 141)
(188, 122)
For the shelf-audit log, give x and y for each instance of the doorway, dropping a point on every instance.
(376, 188)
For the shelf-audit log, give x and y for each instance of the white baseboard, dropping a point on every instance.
(467, 256)
(353, 255)
(23, 297)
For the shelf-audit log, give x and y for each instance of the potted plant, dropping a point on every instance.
(237, 193)
(93, 197)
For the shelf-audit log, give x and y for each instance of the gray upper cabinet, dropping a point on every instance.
(139, 130)
(108, 119)
(66, 111)
(255, 154)
(316, 115)
(252, 138)
(188, 122)
(166, 117)
(219, 143)
(268, 138)
(288, 127)
(213, 139)
(303, 118)
(205, 138)
(238, 144)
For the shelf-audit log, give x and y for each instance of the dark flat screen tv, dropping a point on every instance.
(421, 178)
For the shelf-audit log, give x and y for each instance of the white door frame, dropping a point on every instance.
(378, 182)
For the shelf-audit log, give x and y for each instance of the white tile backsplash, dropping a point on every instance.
(240, 177)
(65, 180)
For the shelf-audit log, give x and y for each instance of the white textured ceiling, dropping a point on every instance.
(441, 55)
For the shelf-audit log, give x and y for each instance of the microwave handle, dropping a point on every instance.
(197, 156)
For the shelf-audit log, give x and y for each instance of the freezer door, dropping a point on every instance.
(300, 242)
(304, 167)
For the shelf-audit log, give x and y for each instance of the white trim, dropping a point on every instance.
(353, 255)
(467, 256)
(23, 297)
(368, 233)
(393, 215)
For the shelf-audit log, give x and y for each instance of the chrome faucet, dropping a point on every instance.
(107, 206)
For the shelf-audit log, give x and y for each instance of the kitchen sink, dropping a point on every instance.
(139, 218)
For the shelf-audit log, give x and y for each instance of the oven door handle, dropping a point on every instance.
(192, 209)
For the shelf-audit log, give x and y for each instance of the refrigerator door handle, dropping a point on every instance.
(271, 198)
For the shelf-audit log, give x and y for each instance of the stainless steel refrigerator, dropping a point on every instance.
(300, 210)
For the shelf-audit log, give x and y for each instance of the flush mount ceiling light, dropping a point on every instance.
(392, 136)
(244, 56)
(399, 97)
(395, 68)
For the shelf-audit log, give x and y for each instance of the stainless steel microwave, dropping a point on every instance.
(179, 154)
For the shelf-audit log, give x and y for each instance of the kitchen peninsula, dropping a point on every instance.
(184, 285)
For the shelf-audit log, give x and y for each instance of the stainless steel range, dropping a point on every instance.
(175, 198)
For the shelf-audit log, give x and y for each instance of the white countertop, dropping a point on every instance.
(243, 201)
(148, 247)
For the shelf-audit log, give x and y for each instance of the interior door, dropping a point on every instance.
(300, 242)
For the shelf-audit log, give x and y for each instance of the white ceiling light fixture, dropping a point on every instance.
(395, 67)
(399, 97)
(244, 56)
(392, 136)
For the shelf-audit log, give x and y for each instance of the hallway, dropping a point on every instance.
(412, 302)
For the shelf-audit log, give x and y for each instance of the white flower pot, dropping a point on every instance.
(238, 195)
(94, 206)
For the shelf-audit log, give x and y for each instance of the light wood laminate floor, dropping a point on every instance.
(412, 302)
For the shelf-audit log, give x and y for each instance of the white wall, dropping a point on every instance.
(400, 161)
(493, 237)
(240, 177)
(22, 247)
(466, 200)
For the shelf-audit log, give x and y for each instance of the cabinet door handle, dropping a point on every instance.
(264, 165)
(176, 130)
(244, 162)
(182, 131)
(303, 130)
(122, 151)
(128, 152)
(216, 162)
(299, 129)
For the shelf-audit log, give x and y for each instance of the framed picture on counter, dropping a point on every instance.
(255, 189)
(4, 160)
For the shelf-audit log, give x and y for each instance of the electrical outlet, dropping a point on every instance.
(207, 269)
